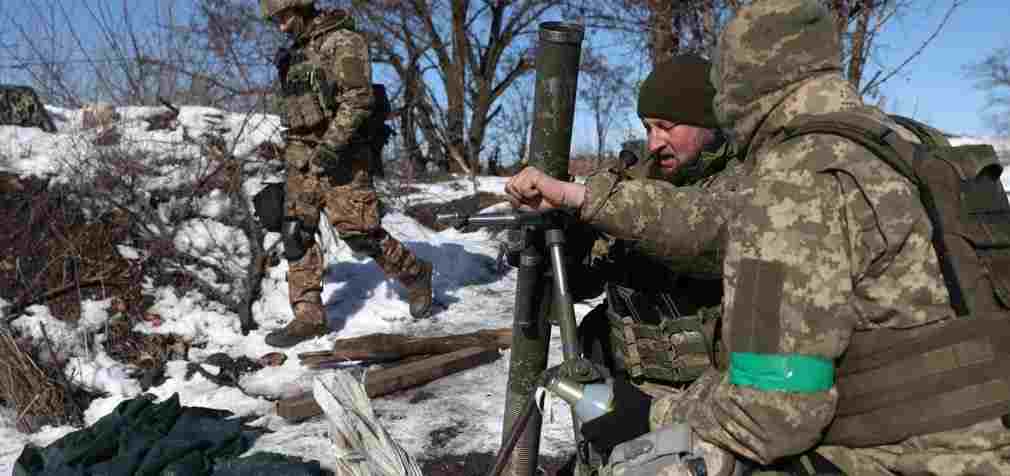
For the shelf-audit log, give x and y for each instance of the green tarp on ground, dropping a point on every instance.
(143, 438)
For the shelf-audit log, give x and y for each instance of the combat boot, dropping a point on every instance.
(310, 321)
(419, 292)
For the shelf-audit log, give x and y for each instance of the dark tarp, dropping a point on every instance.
(143, 438)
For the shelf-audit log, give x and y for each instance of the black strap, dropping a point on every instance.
(628, 420)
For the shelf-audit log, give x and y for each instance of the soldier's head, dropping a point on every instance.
(290, 16)
(675, 105)
(768, 49)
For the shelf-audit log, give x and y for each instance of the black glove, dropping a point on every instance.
(628, 420)
(282, 61)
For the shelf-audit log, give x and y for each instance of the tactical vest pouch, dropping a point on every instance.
(897, 383)
(976, 222)
(651, 341)
(309, 95)
(959, 187)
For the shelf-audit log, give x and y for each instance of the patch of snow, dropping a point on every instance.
(472, 292)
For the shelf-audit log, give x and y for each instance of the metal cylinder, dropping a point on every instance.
(557, 67)
(562, 312)
(528, 284)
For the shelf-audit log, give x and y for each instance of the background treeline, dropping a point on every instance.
(460, 72)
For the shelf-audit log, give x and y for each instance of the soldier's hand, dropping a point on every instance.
(531, 188)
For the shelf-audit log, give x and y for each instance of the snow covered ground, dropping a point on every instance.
(471, 293)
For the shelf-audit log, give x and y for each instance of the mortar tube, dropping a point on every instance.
(557, 67)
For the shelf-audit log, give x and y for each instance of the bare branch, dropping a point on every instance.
(876, 83)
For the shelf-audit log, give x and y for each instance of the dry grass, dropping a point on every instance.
(27, 388)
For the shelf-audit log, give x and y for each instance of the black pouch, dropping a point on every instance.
(269, 206)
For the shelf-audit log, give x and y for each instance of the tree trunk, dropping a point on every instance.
(664, 28)
(860, 43)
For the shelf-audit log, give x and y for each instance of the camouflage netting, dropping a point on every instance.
(20, 106)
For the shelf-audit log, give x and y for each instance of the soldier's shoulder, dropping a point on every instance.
(344, 40)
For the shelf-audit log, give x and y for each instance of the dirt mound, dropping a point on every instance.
(52, 253)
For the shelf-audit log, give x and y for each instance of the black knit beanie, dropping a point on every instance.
(679, 91)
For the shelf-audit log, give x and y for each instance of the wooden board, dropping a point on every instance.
(385, 381)
(390, 347)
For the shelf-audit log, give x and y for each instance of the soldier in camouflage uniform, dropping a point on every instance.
(649, 328)
(328, 97)
(824, 246)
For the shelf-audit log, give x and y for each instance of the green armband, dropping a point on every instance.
(781, 372)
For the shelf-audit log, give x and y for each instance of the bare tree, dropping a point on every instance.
(469, 53)
(664, 28)
(859, 24)
(993, 76)
(657, 28)
(605, 91)
(216, 53)
(515, 120)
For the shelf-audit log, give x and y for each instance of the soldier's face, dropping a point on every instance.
(287, 21)
(675, 145)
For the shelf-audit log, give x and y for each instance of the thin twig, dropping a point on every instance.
(936, 32)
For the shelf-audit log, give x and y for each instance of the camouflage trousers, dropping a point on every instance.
(982, 449)
(345, 191)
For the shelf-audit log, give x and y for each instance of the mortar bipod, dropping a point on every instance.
(539, 235)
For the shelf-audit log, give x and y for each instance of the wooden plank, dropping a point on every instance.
(384, 347)
(385, 381)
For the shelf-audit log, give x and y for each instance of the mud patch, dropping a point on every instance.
(440, 437)
(421, 396)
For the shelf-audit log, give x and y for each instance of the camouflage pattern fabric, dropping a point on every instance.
(661, 339)
(269, 8)
(328, 168)
(820, 239)
(20, 106)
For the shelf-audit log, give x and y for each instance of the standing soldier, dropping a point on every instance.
(325, 79)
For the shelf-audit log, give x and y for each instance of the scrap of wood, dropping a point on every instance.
(387, 347)
(385, 381)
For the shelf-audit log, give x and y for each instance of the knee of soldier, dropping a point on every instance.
(298, 238)
(368, 244)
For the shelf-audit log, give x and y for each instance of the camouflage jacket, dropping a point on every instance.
(711, 168)
(819, 240)
(332, 51)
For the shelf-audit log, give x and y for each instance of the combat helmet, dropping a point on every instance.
(270, 8)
